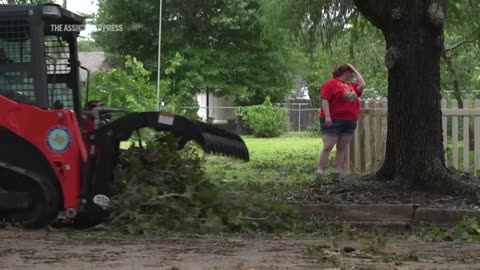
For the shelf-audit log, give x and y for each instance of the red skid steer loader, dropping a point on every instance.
(56, 155)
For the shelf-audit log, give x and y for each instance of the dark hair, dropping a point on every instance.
(340, 70)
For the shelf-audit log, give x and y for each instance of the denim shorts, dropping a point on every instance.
(338, 127)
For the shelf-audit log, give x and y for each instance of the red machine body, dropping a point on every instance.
(38, 126)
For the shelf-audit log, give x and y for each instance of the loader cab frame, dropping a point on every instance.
(38, 56)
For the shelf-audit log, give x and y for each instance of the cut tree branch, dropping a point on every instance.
(461, 44)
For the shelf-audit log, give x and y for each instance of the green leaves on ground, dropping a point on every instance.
(468, 230)
(159, 189)
(265, 120)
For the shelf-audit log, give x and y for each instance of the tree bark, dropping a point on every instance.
(413, 31)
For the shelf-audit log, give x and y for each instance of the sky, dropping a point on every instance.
(82, 6)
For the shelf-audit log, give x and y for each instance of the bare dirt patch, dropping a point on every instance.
(40, 250)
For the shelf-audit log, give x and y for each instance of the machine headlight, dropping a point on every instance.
(52, 11)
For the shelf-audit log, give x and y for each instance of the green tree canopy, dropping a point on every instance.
(127, 88)
(329, 33)
(460, 69)
(334, 31)
(215, 45)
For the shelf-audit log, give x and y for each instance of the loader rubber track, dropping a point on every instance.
(42, 200)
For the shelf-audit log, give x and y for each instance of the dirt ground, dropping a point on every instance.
(59, 250)
(355, 190)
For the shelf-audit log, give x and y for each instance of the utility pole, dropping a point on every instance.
(65, 4)
(159, 51)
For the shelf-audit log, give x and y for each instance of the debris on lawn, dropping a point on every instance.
(361, 189)
(161, 189)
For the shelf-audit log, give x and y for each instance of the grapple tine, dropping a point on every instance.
(221, 142)
(218, 131)
(226, 146)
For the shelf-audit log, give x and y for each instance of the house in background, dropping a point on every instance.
(222, 109)
(93, 61)
(300, 93)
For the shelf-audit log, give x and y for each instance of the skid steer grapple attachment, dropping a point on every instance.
(213, 140)
(103, 147)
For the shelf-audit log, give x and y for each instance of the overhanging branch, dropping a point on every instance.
(461, 44)
(373, 10)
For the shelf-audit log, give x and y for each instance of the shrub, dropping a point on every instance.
(265, 120)
(160, 189)
(314, 94)
(314, 128)
(128, 88)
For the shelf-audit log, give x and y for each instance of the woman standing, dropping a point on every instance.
(339, 114)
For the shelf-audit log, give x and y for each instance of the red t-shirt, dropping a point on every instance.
(343, 99)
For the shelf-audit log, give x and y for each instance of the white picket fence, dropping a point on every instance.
(367, 149)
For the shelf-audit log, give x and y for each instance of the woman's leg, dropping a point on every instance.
(346, 135)
(342, 143)
(328, 144)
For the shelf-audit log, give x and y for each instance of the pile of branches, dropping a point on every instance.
(159, 189)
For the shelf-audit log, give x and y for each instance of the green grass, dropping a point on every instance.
(460, 156)
(288, 159)
(291, 158)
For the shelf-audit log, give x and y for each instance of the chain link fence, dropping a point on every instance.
(300, 116)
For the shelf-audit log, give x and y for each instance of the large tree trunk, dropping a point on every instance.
(413, 31)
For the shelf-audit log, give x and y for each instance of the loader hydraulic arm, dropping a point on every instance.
(212, 140)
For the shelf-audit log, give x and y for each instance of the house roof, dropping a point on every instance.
(93, 61)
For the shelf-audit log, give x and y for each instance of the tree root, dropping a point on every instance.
(458, 184)
(454, 189)
(431, 177)
(443, 182)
